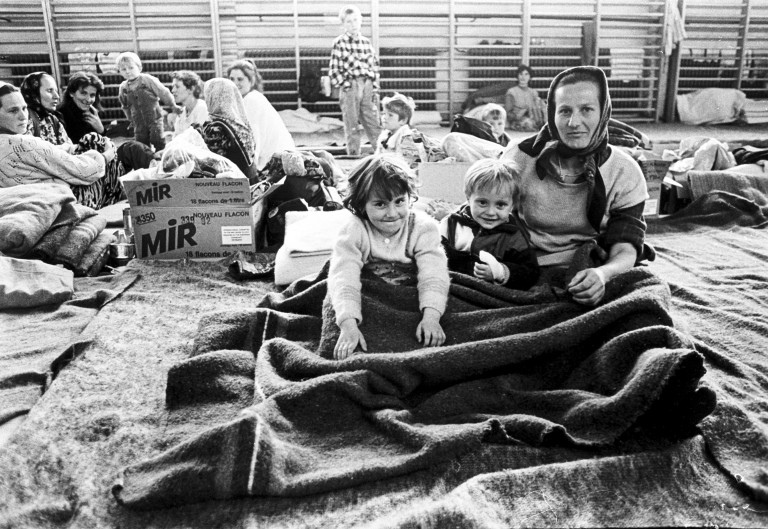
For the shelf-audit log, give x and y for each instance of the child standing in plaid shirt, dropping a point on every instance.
(354, 70)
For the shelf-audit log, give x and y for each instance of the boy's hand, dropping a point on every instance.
(429, 332)
(483, 271)
(348, 340)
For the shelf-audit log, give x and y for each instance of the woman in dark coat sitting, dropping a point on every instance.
(81, 104)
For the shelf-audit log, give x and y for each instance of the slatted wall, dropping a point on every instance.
(727, 46)
(436, 51)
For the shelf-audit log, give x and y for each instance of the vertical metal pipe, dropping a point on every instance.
(746, 18)
(663, 67)
(674, 73)
(451, 56)
(598, 18)
(525, 33)
(297, 49)
(50, 33)
(134, 31)
(218, 60)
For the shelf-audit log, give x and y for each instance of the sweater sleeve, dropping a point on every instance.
(349, 254)
(36, 160)
(432, 264)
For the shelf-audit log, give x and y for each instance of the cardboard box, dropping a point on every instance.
(196, 218)
(443, 180)
(654, 171)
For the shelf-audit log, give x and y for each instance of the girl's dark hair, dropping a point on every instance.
(191, 81)
(5, 89)
(251, 72)
(80, 80)
(30, 89)
(383, 175)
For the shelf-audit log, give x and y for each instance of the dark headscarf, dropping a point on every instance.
(30, 89)
(547, 143)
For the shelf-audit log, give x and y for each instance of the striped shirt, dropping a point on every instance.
(352, 58)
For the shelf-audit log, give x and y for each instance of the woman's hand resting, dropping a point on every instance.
(587, 286)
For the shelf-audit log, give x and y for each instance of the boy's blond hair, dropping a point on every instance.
(493, 175)
(399, 104)
(128, 56)
(348, 10)
(493, 111)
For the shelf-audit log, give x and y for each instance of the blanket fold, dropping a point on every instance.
(27, 212)
(517, 367)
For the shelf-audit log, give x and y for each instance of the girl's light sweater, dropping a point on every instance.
(26, 159)
(359, 243)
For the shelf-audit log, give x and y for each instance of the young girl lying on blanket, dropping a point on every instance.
(388, 240)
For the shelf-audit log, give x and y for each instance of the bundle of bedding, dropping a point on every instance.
(43, 221)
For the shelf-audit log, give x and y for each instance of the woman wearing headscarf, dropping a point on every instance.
(576, 190)
(227, 131)
(26, 159)
(269, 131)
(41, 95)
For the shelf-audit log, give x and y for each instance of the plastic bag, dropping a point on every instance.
(187, 156)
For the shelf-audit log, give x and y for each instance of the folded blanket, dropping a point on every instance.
(517, 368)
(27, 212)
(48, 246)
(73, 248)
(752, 187)
(93, 254)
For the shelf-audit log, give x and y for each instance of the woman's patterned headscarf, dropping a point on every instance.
(547, 143)
(226, 104)
(30, 89)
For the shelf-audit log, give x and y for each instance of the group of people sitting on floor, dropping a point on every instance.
(48, 137)
(531, 213)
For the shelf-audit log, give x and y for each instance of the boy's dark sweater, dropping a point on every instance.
(508, 243)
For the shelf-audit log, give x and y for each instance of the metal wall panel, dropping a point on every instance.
(436, 51)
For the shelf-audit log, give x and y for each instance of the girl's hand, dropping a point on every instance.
(349, 338)
(429, 332)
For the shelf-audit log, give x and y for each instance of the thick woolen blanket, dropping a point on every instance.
(530, 368)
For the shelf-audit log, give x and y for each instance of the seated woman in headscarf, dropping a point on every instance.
(80, 105)
(41, 94)
(578, 194)
(27, 159)
(227, 131)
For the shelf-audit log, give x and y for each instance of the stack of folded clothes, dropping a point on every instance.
(43, 221)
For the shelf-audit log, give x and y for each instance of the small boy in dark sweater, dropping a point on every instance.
(485, 238)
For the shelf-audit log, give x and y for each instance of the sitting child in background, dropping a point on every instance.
(496, 117)
(397, 136)
(140, 95)
(484, 237)
(478, 134)
(385, 238)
